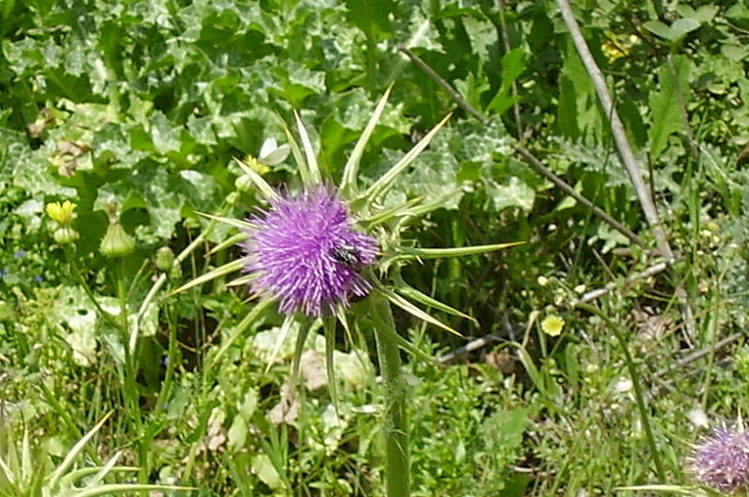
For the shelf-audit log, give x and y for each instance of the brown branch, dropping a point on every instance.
(444, 85)
(543, 171)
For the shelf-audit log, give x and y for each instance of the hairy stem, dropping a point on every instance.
(394, 418)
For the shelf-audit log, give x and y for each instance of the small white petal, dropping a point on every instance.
(698, 417)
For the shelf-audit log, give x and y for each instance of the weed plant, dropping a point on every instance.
(137, 139)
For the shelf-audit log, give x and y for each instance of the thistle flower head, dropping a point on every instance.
(722, 461)
(305, 253)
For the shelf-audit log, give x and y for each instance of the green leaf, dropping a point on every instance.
(229, 242)
(705, 13)
(412, 293)
(267, 191)
(516, 193)
(681, 27)
(675, 32)
(578, 112)
(264, 468)
(664, 104)
(513, 65)
(165, 137)
(313, 168)
(149, 186)
(410, 308)
(329, 325)
(239, 329)
(237, 434)
(658, 28)
(55, 476)
(75, 311)
(372, 17)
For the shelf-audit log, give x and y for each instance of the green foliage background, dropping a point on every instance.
(145, 105)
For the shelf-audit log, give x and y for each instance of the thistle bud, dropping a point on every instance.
(164, 259)
(64, 235)
(232, 198)
(243, 183)
(116, 242)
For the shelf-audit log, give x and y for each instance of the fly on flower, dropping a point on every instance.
(347, 255)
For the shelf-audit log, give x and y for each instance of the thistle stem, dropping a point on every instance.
(394, 418)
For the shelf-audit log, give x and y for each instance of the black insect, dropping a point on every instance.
(346, 255)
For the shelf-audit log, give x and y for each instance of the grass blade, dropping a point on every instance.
(313, 167)
(441, 253)
(350, 170)
(227, 268)
(262, 185)
(387, 179)
(77, 448)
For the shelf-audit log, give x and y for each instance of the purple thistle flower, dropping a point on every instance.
(722, 461)
(305, 253)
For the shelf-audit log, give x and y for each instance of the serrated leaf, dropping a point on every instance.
(516, 193)
(146, 187)
(664, 104)
(165, 137)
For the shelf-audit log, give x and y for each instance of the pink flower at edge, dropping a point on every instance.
(722, 460)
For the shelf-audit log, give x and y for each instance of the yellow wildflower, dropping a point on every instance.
(63, 214)
(552, 325)
(257, 166)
